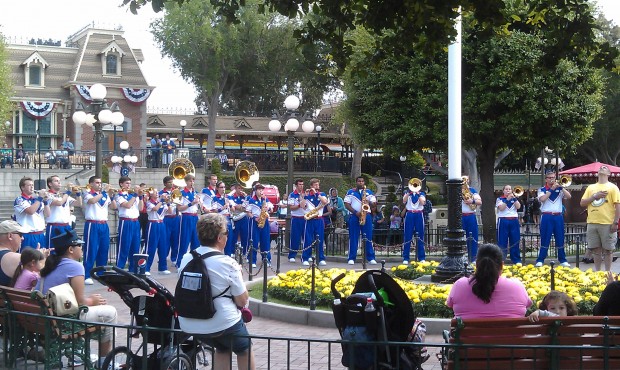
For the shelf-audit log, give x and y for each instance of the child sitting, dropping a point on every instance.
(554, 304)
(27, 273)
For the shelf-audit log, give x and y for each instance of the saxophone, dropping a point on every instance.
(467, 194)
(313, 213)
(365, 208)
(264, 215)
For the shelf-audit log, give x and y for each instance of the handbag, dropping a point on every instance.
(62, 300)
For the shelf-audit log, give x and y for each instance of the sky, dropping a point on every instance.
(58, 19)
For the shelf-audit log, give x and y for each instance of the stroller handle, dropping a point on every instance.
(139, 282)
(373, 286)
(335, 292)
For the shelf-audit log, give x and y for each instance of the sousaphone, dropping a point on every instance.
(179, 168)
(246, 173)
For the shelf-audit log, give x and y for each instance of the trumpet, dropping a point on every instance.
(76, 188)
(176, 197)
(565, 181)
(43, 193)
(517, 191)
(310, 191)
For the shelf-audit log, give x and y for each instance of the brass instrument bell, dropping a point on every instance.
(246, 173)
(565, 181)
(179, 168)
(415, 185)
(518, 191)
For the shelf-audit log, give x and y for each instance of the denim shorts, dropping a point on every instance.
(232, 339)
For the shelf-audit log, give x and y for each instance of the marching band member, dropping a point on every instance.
(171, 220)
(96, 230)
(28, 208)
(297, 204)
(508, 224)
(188, 235)
(552, 221)
(156, 235)
(469, 221)
(260, 235)
(129, 234)
(58, 209)
(207, 194)
(353, 203)
(414, 223)
(238, 201)
(315, 227)
(220, 204)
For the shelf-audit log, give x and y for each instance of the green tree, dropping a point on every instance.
(427, 25)
(6, 86)
(510, 102)
(248, 67)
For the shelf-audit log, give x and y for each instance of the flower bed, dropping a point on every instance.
(429, 299)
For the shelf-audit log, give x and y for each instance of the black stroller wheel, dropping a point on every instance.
(180, 361)
(119, 358)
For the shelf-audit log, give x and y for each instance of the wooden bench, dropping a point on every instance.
(86, 161)
(32, 322)
(576, 342)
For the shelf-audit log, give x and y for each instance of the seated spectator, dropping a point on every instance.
(64, 267)
(6, 156)
(487, 293)
(10, 242)
(609, 302)
(21, 156)
(62, 158)
(50, 157)
(555, 303)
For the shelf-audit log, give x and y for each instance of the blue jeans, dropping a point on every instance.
(232, 339)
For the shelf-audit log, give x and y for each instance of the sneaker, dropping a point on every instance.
(305, 263)
(405, 262)
(518, 264)
(147, 273)
(565, 264)
(421, 261)
(165, 272)
(322, 263)
(372, 262)
(291, 260)
(253, 265)
(351, 262)
(538, 264)
(89, 281)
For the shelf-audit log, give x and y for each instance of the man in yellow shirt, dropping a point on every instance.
(603, 202)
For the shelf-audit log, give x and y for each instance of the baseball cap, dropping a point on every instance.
(10, 226)
(63, 241)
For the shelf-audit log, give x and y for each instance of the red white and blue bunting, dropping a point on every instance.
(37, 110)
(136, 96)
(84, 92)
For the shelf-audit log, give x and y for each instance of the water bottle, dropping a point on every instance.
(369, 306)
(370, 316)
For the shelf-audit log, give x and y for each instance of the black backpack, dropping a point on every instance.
(192, 296)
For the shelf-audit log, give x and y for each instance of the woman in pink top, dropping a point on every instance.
(487, 293)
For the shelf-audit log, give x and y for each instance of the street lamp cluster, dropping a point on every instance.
(98, 113)
(125, 161)
(291, 103)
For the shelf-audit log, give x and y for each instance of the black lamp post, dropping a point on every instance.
(183, 123)
(318, 147)
(98, 113)
(292, 124)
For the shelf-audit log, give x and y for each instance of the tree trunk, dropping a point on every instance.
(487, 166)
(470, 167)
(356, 166)
(213, 108)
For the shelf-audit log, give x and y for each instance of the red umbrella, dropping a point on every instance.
(591, 170)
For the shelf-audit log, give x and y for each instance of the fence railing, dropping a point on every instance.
(136, 344)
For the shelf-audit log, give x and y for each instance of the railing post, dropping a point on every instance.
(523, 250)
(415, 246)
(552, 275)
(363, 239)
(577, 252)
(278, 248)
(313, 281)
(265, 261)
(250, 259)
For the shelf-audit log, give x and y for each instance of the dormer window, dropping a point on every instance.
(34, 70)
(111, 57)
(111, 64)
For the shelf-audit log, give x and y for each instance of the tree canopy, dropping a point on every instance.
(6, 85)
(511, 101)
(245, 68)
(428, 25)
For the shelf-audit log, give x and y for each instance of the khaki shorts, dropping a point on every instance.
(599, 236)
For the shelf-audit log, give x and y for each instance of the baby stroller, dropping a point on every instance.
(170, 351)
(391, 319)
